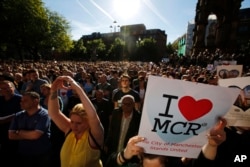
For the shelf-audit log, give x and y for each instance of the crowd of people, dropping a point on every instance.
(71, 113)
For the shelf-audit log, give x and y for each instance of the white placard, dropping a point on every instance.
(239, 113)
(178, 114)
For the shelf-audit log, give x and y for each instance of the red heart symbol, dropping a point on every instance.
(192, 109)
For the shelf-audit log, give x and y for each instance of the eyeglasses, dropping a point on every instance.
(126, 104)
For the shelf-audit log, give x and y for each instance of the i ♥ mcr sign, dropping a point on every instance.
(177, 115)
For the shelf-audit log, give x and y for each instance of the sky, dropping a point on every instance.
(88, 16)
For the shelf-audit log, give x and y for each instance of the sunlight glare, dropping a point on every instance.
(126, 8)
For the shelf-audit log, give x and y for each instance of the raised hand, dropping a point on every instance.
(217, 135)
(132, 149)
(64, 82)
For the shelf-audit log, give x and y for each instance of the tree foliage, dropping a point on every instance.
(31, 31)
(28, 29)
(116, 50)
(79, 50)
(58, 32)
(147, 50)
(96, 49)
(171, 48)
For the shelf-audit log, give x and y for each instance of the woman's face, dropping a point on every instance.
(78, 124)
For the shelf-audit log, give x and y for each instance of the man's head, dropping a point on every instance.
(7, 89)
(103, 78)
(125, 81)
(34, 74)
(128, 103)
(18, 77)
(99, 94)
(45, 89)
(30, 101)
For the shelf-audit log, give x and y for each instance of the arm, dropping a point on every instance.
(25, 134)
(208, 153)
(216, 136)
(124, 156)
(62, 122)
(19, 133)
(93, 119)
(6, 119)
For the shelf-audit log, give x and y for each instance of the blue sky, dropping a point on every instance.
(88, 16)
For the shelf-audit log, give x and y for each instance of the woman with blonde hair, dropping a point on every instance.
(82, 128)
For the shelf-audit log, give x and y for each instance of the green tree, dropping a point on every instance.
(96, 49)
(57, 36)
(79, 50)
(23, 25)
(28, 29)
(175, 45)
(147, 50)
(171, 48)
(116, 51)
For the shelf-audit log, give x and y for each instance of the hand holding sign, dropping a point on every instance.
(217, 135)
(132, 149)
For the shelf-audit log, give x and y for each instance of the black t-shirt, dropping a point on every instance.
(119, 94)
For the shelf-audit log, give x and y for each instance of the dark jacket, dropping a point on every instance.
(112, 140)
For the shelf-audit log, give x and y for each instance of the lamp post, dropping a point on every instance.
(111, 28)
(114, 26)
(118, 28)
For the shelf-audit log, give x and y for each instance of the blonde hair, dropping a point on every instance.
(79, 110)
(46, 85)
